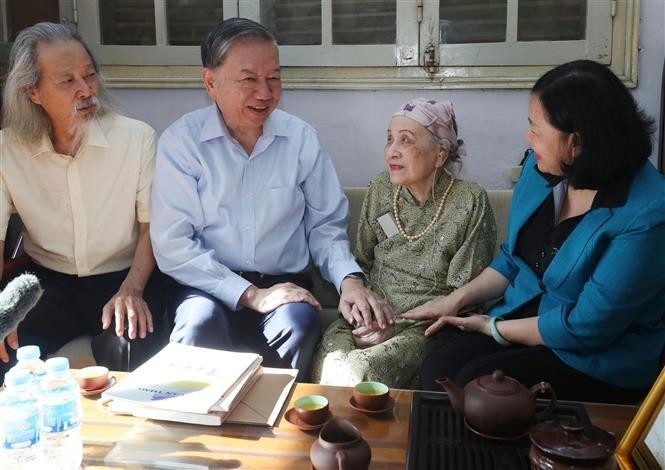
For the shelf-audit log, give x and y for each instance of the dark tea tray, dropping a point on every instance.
(438, 439)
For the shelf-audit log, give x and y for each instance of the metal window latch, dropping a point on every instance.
(431, 63)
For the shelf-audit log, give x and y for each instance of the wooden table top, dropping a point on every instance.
(122, 441)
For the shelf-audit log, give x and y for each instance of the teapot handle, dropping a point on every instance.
(544, 387)
(341, 459)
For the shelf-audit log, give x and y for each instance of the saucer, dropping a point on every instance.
(493, 438)
(292, 417)
(389, 406)
(109, 383)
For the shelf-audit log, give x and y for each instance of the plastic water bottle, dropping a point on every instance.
(20, 422)
(61, 416)
(28, 360)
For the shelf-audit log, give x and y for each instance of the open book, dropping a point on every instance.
(189, 379)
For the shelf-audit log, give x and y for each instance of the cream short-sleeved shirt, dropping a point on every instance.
(80, 213)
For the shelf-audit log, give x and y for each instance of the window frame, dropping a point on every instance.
(160, 54)
(144, 66)
(402, 53)
(597, 45)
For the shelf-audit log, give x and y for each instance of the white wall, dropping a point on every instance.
(352, 123)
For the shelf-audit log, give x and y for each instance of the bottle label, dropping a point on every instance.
(21, 433)
(61, 416)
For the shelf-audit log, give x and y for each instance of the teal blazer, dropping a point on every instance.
(602, 309)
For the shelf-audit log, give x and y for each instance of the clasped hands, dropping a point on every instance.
(372, 318)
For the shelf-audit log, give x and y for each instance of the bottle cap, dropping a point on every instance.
(25, 353)
(16, 377)
(57, 364)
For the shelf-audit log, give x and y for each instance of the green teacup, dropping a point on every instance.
(312, 409)
(371, 395)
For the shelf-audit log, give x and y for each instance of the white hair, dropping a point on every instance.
(26, 120)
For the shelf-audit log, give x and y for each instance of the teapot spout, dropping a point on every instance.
(455, 393)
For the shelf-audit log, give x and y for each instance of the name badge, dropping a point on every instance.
(388, 224)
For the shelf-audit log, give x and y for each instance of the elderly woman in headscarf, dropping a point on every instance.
(422, 234)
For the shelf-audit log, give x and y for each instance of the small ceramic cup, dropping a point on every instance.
(92, 378)
(371, 395)
(312, 409)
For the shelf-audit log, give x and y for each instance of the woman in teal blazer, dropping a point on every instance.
(581, 277)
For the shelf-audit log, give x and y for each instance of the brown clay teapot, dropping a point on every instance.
(340, 447)
(497, 406)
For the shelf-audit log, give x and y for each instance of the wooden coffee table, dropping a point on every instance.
(122, 441)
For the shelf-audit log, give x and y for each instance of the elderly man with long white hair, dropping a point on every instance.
(79, 175)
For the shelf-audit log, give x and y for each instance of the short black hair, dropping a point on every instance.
(586, 98)
(225, 34)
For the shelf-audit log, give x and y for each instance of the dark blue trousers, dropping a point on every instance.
(285, 337)
(72, 306)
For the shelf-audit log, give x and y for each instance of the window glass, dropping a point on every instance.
(127, 22)
(294, 22)
(551, 20)
(364, 22)
(189, 21)
(24, 13)
(472, 21)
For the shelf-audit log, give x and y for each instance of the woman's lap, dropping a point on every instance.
(394, 362)
(464, 356)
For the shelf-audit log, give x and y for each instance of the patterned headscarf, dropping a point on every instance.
(438, 117)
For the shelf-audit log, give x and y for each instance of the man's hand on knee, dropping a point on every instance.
(267, 300)
(130, 312)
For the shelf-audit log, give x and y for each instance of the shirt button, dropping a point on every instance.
(542, 254)
(247, 261)
(537, 264)
(247, 227)
(247, 196)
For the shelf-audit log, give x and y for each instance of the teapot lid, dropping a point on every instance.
(499, 384)
(571, 440)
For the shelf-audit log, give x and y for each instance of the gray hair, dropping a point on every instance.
(218, 42)
(26, 120)
(453, 164)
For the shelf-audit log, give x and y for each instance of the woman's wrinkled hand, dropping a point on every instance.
(365, 337)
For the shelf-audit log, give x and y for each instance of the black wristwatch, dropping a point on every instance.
(357, 275)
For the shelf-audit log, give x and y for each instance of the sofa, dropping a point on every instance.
(80, 354)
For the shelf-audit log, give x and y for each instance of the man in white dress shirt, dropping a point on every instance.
(245, 200)
(79, 175)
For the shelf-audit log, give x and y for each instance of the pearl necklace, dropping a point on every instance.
(431, 224)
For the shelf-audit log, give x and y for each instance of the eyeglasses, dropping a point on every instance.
(252, 83)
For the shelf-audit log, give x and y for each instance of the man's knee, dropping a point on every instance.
(302, 320)
(200, 321)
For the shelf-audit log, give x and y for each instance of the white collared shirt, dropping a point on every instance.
(217, 210)
(80, 213)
